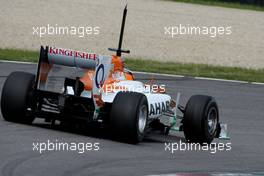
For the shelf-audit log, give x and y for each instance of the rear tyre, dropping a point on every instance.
(16, 97)
(201, 119)
(129, 116)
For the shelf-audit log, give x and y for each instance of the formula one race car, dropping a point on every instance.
(101, 91)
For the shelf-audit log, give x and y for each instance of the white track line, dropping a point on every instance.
(224, 80)
(258, 83)
(159, 74)
(163, 74)
(17, 62)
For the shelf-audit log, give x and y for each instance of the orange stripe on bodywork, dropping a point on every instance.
(87, 80)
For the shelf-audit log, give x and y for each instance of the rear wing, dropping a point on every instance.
(51, 56)
(59, 56)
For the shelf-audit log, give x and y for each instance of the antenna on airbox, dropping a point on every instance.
(119, 50)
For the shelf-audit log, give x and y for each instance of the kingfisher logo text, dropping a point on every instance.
(72, 53)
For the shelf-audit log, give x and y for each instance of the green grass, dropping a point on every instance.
(223, 3)
(202, 70)
(18, 55)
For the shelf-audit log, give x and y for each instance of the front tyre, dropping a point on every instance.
(16, 96)
(201, 119)
(129, 116)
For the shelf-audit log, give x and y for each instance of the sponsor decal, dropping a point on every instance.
(72, 53)
(158, 108)
(99, 82)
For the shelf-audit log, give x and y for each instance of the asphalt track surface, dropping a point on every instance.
(241, 107)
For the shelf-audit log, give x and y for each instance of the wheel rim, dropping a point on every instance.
(142, 119)
(212, 120)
